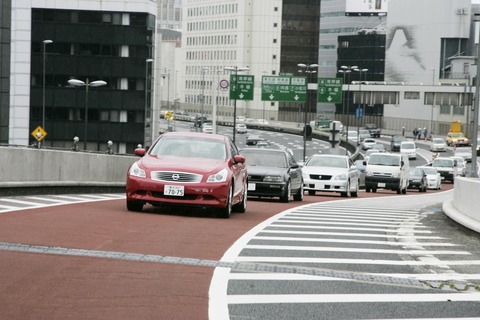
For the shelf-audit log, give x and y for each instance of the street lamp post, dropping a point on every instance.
(44, 51)
(309, 70)
(202, 98)
(361, 92)
(433, 103)
(235, 69)
(86, 84)
(347, 70)
(147, 61)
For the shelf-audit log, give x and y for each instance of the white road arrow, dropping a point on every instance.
(271, 96)
(241, 96)
(329, 98)
(296, 97)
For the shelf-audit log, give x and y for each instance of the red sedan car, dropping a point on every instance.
(189, 169)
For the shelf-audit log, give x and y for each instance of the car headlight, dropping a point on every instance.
(220, 176)
(136, 171)
(273, 179)
(396, 175)
(368, 173)
(342, 177)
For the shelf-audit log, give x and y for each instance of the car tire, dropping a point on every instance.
(404, 190)
(286, 196)
(299, 195)
(355, 193)
(367, 190)
(311, 192)
(346, 194)
(227, 211)
(242, 205)
(134, 206)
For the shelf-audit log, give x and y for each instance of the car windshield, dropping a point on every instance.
(384, 160)
(438, 141)
(399, 138)
(416, 172)
(457, 135)
(408, 146)
(333, 162)
(429, 170)
(364, 132)
(265, 159)
(442, 163)
(190, 148)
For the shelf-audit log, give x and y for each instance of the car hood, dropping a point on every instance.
(324, 170)
(263, 171)
(171, 163)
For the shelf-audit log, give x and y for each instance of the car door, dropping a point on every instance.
(295, 172)
(353, 174)
(239, 174)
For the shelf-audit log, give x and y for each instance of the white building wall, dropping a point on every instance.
(20, 53)
(414, 47)
(250, 27)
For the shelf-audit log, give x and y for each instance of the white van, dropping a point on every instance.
(409, 148)
(387, 171)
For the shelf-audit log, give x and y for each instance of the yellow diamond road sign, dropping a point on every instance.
(39, 133)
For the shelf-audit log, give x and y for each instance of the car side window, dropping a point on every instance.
(233, 149)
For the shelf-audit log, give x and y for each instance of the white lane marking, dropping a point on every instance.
(55, 200)
(294, 276)
(353, 250)
(358, 210)
(357, 261)
(341, 218)
(349, 298)
(17, 201)
(345, 215)
(279, 225)
(387, 225)
(346, 234)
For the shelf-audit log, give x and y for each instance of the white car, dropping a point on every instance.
(368, 143)
(409, 148)
(461, 165)
(438, 145)
(241, 128)
(463, 152)
(352, 136)
(434, 180)
(331, 173)
(363, 134)
(207, 128)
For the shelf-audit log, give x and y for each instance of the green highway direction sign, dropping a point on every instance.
(241, 87)
(329, 90)
(291, 89)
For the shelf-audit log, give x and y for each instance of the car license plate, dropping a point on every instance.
(381, 185)
(176, 191)
(252, 187)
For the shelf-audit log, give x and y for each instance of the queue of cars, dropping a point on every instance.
(207, 170)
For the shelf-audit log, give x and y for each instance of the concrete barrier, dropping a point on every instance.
(37, 169)
(465, 206)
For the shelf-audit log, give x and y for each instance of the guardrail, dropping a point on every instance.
(35, 171)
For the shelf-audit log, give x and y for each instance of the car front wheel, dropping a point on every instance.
(227, 211)
(242, 205)
(134, 205)
(287, 194)
(299, 195)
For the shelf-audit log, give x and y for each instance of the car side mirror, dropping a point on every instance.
(238, 159)
(140, 152)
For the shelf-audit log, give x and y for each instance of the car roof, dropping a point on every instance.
(330, 155)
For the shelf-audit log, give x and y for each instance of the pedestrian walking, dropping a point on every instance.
(403, 131)
(414, 133)
(425, 133)
(419, 133)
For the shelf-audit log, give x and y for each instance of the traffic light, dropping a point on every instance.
(308, 132)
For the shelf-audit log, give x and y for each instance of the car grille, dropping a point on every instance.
(320, 177)
(382, 174)
(254, 178)
(170, 176)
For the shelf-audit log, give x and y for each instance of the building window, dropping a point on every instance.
(274, 40)
(458, 110)
(275, 25)
(410, 95)
(444, 109)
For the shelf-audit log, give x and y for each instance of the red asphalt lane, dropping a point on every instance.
(45, 286)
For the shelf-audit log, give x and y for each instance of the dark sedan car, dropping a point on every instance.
(396, 142)
(273, 173)
(189, 169)
(418, 180)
